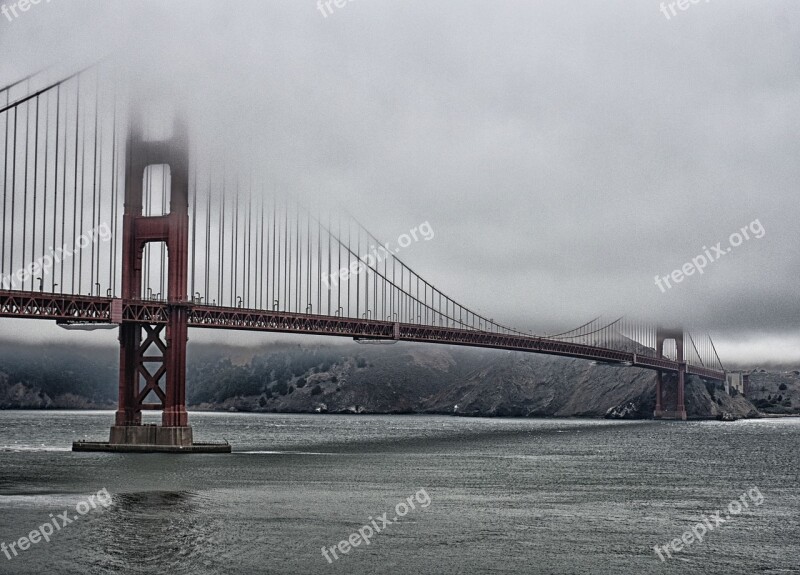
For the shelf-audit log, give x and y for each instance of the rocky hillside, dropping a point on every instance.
(775, 392)
(335, 378)
(37, 377)
(414, 378)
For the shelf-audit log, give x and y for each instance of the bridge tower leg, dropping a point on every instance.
(679, 412)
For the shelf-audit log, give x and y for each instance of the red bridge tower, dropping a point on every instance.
(679, 412)
(161, 344)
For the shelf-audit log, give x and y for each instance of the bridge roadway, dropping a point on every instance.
(106, 310)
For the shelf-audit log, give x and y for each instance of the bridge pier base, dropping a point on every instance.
(680, 408)
(151, 439)
(151, 435)
(679, 412)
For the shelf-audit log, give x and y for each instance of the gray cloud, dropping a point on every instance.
(565, 153)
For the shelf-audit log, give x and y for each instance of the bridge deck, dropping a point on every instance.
(69, 308)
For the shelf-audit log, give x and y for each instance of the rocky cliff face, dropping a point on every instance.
(21, 395)
(431, 379)
(400, 378)
(775, 392)
(67, 377)
(703, 400)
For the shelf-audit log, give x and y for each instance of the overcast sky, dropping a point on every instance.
(564, 152)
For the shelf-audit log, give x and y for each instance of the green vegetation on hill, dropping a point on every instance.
(403, 378)
(54, 371)
(213, 378)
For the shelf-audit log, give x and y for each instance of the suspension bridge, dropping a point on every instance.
(109, 222)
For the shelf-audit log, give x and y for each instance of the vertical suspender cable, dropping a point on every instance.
(95, 210)
(5, 192)
(262, 268)
(13, 190)
(275, 286)
(78, 125)
(83, 201)
(208, 243)
(162, 248)
(64, 186)
(221, 283)
(55, 181)
(25, 188)
(234, 243)
(112, 274)
(194, 233)
(248, 270)
(35, 186)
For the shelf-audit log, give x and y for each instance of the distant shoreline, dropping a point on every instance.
(406, 413)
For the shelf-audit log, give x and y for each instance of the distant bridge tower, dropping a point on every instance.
(663, 335)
